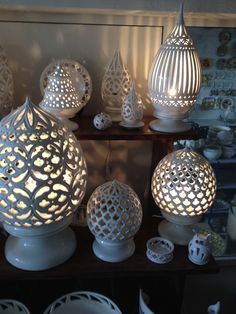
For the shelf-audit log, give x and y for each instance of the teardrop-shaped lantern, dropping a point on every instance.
(174, 80)
(132, 110)
(43, 177)
(115, 86)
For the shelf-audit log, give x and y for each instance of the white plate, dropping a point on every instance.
(83, 82)
(83, 302)
(143, 303)
(8, 306)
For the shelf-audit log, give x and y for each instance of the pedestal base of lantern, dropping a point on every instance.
(109, 251)
(115, 113)
(170, 125)
(70, 124)
(33, 251)
(178, 234)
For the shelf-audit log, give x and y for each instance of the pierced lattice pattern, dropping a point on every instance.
(184, 183)
(116, 82)
(60, 92)
(175, 76)
(114, 211)
(6, 85)
(96, 303)
(132, 108)
(42, 168)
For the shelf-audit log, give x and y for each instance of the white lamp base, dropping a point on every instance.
(32, 251)
(170, 125)
(178, 234)
(70, 124)
(109, 251)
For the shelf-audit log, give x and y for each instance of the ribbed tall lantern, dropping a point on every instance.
(114, 215)
(115, 86)
(60, 96)
(183, 187)
(43, 178)
(174, 80)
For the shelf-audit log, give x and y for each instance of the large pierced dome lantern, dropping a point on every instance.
(43, 178)
(174, 80)
(184, 188)
(114, 215)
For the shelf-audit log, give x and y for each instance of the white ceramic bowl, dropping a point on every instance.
(229, 151)
(84, 302)
(225, 137)
(212, 152)
(159, 250)
(8, 306)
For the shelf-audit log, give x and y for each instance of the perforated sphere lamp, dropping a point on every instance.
(43, 178)
(183, 187)
(174, 80)
(60, 96)
(114, 215)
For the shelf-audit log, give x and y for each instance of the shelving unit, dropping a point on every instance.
(120, 281)
(85, 267)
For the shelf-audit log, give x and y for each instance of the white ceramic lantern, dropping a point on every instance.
(60, 97)
(9, 306)
(102, 121)
(6, 85)
(174, 80)
(183, 187)
(132, 110)
(86, 302)
(115, 86)
(114, 215)
(199, 249)
(43, 178)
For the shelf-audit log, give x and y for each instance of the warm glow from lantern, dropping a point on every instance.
(174, 80)
(183, 187)
(43, 177)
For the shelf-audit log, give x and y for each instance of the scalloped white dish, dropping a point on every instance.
(83, 302)
(8, 306)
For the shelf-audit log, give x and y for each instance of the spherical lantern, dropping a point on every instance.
(60, 96)
(43, 178)
(114, 215)
(115, 86)
(174, 80)
(183, 187)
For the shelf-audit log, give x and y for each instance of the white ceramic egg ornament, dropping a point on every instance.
(102, 121)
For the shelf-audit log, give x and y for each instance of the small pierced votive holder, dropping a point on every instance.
(159, 250)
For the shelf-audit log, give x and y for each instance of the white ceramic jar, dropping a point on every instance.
(199, 249)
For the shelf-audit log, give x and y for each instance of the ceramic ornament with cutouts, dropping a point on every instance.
(61, 98)
(132, 110)
(116, 84)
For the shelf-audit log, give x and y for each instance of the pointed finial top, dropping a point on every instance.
(180, 19)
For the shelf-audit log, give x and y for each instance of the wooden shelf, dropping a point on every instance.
(84, 264)
(87, 131)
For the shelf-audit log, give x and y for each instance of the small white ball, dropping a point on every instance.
(102, 121)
